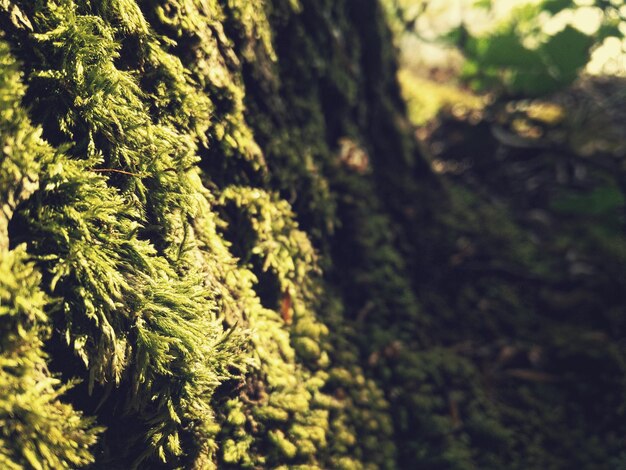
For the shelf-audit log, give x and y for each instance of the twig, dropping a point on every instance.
(113, 170)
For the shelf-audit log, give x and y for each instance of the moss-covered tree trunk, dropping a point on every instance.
(203, 207)
(215, 230)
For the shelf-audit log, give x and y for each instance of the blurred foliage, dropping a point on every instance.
(532, 292)
(534, 49)
(519, 57)
(425, 98)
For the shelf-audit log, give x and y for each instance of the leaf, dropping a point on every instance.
(473, 47)
(506, 50)
(555, 6)
(457, 37)
(532, 82)
(567, 52)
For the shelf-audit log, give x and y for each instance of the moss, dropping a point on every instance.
(426, 98)
(39, 428)
(242, 242)
(282, 444)
(272, 413)
(307, 348)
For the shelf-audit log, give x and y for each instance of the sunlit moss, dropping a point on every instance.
(426, 98)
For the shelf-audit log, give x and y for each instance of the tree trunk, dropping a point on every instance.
(216, 228)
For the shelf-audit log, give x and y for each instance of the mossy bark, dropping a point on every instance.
(226, 237)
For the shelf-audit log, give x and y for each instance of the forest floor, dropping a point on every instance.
(537, 190)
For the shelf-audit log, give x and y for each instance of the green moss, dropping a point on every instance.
(282, 444)
(219, 221)
(426, 98)
(38, 428)
(271, 413)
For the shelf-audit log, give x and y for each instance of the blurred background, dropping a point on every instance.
(520, 107)
(501, 47)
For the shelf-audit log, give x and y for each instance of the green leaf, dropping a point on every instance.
(532, 82)
(555, 6)
(506, 50)
(567, 52)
